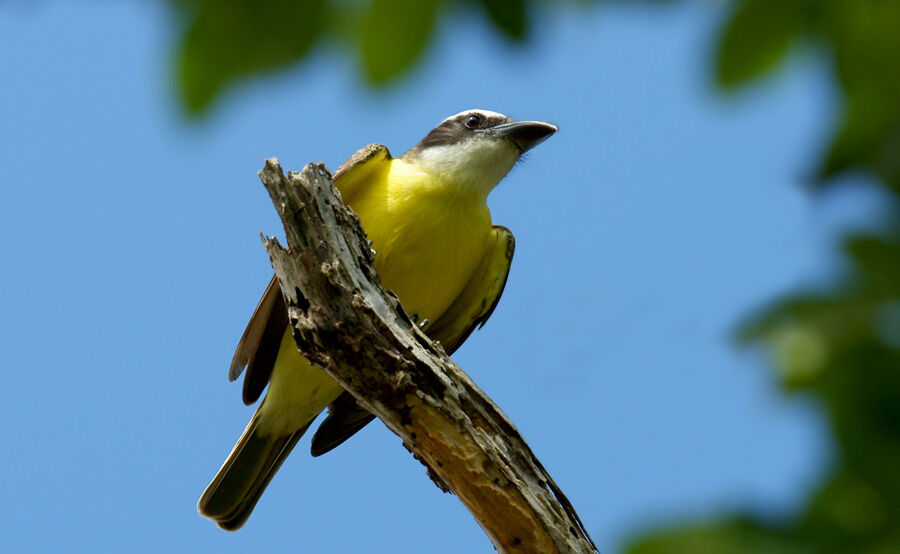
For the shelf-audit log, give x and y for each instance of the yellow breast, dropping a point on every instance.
(429, 235)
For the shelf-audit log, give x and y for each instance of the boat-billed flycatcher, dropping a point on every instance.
(426, 214)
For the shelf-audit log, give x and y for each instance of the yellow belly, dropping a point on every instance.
(429, 238)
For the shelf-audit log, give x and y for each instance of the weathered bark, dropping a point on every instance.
(344, 321)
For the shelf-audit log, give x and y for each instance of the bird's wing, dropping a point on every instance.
(258, 347)
(259, 344)
(476, 303)
(356, 172)
(471, 309)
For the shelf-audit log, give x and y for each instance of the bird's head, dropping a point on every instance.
(477, 148)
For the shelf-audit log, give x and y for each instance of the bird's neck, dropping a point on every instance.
(455, 189)
(464, 168)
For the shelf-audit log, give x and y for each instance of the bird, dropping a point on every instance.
(426, 216)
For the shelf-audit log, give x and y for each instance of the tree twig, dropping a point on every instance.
(345, 322)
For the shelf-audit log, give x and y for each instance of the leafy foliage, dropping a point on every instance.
(508, 16)
(393, 35)
(864, 36)
(225, 42)
(757, 38)
(842, 347)
(862, 39)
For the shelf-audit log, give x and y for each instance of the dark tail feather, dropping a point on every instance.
(236, 489)
(345, 418)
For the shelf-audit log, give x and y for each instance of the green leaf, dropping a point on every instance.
(510, 17)
(857, 139)
(228, 40)
(865, 41)
(735, 536)
(878, 260)
(756, 39)
(393, 35)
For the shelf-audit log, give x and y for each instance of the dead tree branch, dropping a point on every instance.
(344, 321)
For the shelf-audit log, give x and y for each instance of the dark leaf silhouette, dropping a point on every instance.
(231, 40)
(393, 35)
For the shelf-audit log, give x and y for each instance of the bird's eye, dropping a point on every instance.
(473, 121)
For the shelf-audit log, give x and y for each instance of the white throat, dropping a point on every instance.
(478, 163)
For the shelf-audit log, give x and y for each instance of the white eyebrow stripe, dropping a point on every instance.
(485, 113)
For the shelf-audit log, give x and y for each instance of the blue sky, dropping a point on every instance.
(658, 216)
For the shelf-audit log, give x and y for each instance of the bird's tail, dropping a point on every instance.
(236, 489)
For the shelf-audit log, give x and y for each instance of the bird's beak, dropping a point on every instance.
(524, 134)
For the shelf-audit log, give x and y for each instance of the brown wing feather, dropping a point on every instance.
(355, 172)
(471, 309)
(258, 347)
(253, 333)
(259, 344)
(361, 156)
(263, 361)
